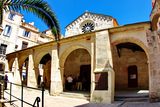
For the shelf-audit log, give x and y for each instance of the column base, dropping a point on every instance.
(56, 88)
(154, 97)
(102, 97)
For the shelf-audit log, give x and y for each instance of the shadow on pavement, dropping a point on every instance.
(97, 105)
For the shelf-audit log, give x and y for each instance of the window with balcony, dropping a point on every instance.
(11, 16)
(7, 30)
(3, 48)
(26, 33)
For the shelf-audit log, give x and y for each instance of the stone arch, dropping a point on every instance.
(22, 59)
(39, 55)
(154, 20)
(132, 40)
(68, 53)
(44, 71)
(23, 67)
(10, 63)
(122, 66)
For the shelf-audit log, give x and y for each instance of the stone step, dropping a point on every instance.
(131, 98)
(76, 95)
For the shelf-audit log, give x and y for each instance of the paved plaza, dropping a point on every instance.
(59, 101)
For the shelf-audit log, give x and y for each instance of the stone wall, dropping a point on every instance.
(75, 60)
(153, 39)
(129, 58)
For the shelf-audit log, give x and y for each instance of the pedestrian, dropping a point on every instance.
(39, 80)
(69, 82)
(5, 81)
(79, 83)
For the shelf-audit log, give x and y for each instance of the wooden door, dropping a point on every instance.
(132, 77)
(85, 74)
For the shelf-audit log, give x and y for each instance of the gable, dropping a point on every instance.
(89, 22)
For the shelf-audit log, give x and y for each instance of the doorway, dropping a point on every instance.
(85, 75)
(132, 77)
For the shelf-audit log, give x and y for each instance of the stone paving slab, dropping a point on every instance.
(127, 104)
(60, 101)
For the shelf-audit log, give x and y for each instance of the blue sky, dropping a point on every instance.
(125, 11)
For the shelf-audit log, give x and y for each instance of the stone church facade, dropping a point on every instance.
(110, 57)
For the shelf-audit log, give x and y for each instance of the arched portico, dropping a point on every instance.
(24, 71)
(130, 63)
(44, 68)
(76, 61)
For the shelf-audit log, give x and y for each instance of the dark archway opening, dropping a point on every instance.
(131, 70)
(44, 71)
(24, 72)
(78, 66)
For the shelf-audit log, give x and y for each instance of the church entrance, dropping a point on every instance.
(131, 70)
(132, 77)
(77, 71)
(85, 75)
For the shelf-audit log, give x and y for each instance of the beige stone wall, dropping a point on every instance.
(95, 49)
(75, 59)
(128, 58)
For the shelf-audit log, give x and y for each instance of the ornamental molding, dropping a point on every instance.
(89, 22)
(90, 16)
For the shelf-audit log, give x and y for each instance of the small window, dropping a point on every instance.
(3, 48)
(26, 33)
(24, 45)
(7, 31)
(11, 16)
(16, 46)
(101, 81)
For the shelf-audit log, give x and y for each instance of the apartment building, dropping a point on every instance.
(16, 34)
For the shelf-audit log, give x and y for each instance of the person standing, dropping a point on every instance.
(5, 81)
(39, 80)
(79, 84)
(69, 82)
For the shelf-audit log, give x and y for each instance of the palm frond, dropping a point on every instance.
(39, 8)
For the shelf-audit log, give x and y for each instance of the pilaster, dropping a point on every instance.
(31, 79)
(17, 76)
(154, 68)
(103, 84)
(56, 81)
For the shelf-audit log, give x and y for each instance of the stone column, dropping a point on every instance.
(17, 76)
(56, 80)
(31, 79)
(92, 67)
(103, 69)
(154, 68)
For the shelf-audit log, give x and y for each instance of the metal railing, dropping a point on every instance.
(37, 100)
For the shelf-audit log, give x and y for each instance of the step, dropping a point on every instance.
(131, 98)
(76, 95)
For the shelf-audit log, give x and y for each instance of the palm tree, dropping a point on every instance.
(38, 7)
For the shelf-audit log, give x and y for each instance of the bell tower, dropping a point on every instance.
(153, 2)
(155, 15)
